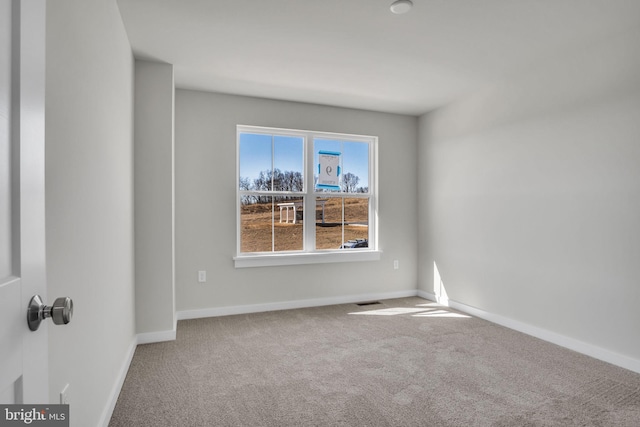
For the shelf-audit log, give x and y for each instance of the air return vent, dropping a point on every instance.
(368, 303)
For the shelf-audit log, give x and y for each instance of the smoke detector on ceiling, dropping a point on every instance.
(401, 6)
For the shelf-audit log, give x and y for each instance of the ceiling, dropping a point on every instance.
(356, 53)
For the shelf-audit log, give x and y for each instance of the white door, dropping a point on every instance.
(23, 354)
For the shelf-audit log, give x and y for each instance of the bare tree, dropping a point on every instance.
(292, 181)
(276, 180)
(350, 182)
(245, 185)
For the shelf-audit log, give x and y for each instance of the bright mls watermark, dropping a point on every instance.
(34, 415)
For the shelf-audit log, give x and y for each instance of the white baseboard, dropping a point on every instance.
(288, 305)
(544, 334)
(115, 391)
(427, 295)
(145, 338)
(159, 336)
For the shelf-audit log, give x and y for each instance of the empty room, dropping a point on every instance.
(310, 213)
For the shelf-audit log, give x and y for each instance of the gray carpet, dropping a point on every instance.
(408, 362)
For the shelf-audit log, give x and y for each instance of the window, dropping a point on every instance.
(304, 197)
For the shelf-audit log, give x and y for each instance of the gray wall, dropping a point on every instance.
(530, 196)
(154, 237)
(89, 196)
(206, 196)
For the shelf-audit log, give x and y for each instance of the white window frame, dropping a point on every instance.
(309, 255)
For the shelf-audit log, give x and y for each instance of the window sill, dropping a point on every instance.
(272, 260)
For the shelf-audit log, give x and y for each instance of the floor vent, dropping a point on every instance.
(368, 303)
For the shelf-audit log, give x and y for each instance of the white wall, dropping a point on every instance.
(206, 212)
(89, 196)
(154, 237)
(530, 197)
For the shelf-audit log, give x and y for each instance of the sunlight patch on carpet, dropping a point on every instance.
(414, 312)
(442, 313)
(390, 311)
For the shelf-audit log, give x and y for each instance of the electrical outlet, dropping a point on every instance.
(64, 395)
(396, 264)
(202, 276)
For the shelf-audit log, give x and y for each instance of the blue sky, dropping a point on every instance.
(256, 149)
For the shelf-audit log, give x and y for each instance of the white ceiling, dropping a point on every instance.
(356, 53)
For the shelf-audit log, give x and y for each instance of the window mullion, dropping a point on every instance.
(273, 205)
(342, 191)
(309, 200)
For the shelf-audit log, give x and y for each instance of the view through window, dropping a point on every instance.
(301, 191)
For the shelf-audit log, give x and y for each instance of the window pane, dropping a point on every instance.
(327, 160)
(356, 222)
(355, 165)
(288, 152)
(288, 226)
(328, 223)
(353, 160)
(255, 161)
(255, 222)
(342, 222)
(272, 224)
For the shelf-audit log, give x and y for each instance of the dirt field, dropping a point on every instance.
(256, 226)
